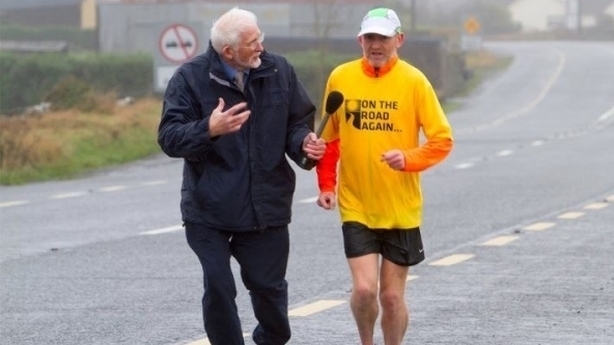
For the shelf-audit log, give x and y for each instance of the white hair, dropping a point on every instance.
(227, 29)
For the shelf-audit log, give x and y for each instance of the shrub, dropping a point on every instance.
(68, 93)
(28, 79)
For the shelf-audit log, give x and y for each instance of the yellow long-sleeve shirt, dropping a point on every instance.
(383, 110)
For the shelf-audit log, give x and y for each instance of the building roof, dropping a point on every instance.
(239, 2)
(595, 6)
(34, 46)
(22, 4)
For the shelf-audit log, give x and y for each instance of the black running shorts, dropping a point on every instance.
(400, 246)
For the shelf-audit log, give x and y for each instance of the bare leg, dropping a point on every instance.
(395, 316)
(364, 295)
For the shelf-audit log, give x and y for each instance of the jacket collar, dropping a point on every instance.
(377, 73)
(218, 66)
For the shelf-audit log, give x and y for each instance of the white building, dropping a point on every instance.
(538, 15)
(546, 15)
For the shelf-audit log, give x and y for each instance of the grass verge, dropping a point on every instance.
(60, 145)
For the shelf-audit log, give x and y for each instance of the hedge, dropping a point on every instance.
(25, 79)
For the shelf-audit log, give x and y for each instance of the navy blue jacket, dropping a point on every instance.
(240, 181)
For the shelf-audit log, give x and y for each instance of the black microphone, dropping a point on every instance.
(333, 102)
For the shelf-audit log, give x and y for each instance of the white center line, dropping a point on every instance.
(504, 153)
(153, 183)
(200, 342)
(13, 203)
(596, 206)
(112, 188)
(162, 231)
(463, 166)
(68, 195)
(452, 260)
(205, 341)
(537, 143)
(539, 226)
(500, 240)
(606, 115)
(571, 215)
(308, 200)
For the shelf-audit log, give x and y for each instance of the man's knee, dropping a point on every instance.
(364, 294)
(391, 299)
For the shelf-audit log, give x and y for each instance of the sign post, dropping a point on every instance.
(470, 40)
(177, 43)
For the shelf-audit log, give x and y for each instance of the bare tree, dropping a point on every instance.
(329, 15)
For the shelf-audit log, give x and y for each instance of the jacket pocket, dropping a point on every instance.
(224, 198)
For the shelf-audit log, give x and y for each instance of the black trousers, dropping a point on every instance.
(263, 259)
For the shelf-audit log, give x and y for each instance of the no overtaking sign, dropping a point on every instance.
(178, 43)
(173, 44)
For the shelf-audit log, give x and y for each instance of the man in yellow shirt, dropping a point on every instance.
(374, 141)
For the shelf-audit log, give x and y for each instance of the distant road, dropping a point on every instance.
(518, 232)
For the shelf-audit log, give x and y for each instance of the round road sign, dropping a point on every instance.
(178, 43)
(472, 25)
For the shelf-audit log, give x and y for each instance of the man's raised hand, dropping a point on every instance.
(225, 122)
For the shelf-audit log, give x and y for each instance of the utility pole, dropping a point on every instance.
(573, 15)
(579, 12)
(413, 15)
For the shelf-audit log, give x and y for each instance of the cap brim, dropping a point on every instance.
(380, 26)
(377, 30)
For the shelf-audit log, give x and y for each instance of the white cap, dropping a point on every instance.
(381, 21)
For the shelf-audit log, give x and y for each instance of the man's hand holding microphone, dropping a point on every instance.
(314, 146)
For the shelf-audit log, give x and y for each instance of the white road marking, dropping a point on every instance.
(571, 215)
(605, 116)
(464, 166)
(314, 307)
(162, 231)
(504, 153)
(539, 226)
(537, 143)
(13, 203)
(308, 200)
(610, 198)
(153, 183)
(112, 188)
(68, 195)
(500, 240)
(411, 277)
(452, 260)
(200, 342)
(205, 341)
(596, 206)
